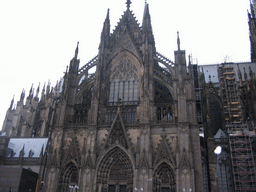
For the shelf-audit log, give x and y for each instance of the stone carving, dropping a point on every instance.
(164, 152)
(72, 152)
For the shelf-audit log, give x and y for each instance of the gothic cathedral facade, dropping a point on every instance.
(130, 126)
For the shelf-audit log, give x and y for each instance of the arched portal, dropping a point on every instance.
(69, 178)
(164, 179)
(115, 172)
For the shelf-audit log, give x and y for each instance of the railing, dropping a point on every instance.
(164, 121)
(162, 76)
(89, 79)
(76, 119)
(164, 60)
(123, 103)
(88, 65)
(22, 160)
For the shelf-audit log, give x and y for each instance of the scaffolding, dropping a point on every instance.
(243, 164)
(242, 158)
(229, 93)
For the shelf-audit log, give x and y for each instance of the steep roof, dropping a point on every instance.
(35, 145)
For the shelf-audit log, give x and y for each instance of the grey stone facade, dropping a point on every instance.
(129, 126)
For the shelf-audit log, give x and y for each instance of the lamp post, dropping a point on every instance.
(190, 190)
(73, 188)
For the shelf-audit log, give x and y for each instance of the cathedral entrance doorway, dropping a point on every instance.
(69, 179)
(115, 173)
(164, 179)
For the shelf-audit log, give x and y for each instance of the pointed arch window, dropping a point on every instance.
(124, 84)
(164, 103)
(224, 172)
(123, 91)
(215, 115)
(124, 88)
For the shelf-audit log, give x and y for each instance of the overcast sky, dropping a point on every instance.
(38, 38)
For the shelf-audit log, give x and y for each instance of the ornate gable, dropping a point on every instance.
(144, 162)
(125, 43)
(88, 161)
(72, 152)
(184, 161)
(164, 152)
(117, 133)
(127, 22)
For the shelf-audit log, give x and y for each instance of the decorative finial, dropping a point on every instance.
(178, 40)
(128, 3)
(76, 52)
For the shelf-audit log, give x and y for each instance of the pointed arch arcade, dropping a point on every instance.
(115, 172)
(69, 177)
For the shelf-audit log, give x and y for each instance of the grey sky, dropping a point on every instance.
(38, 38)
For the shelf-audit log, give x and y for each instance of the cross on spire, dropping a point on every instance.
(128, 3)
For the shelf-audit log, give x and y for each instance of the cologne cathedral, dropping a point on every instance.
(139, 122)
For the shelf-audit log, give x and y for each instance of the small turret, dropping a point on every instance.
(147, 26)
(43, 93)
(180, 57)
(252, 75)
(22, 96)
(245, 75)
(11, 105)
(48, 89)
(30, 96)
(74, 63)
(105, 34)
(190, 67)
(178, 40)
(37, 92)
(22, 153)
(31, 91)
(240, 76)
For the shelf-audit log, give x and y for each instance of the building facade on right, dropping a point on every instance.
(226, 107)
(226, 111)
